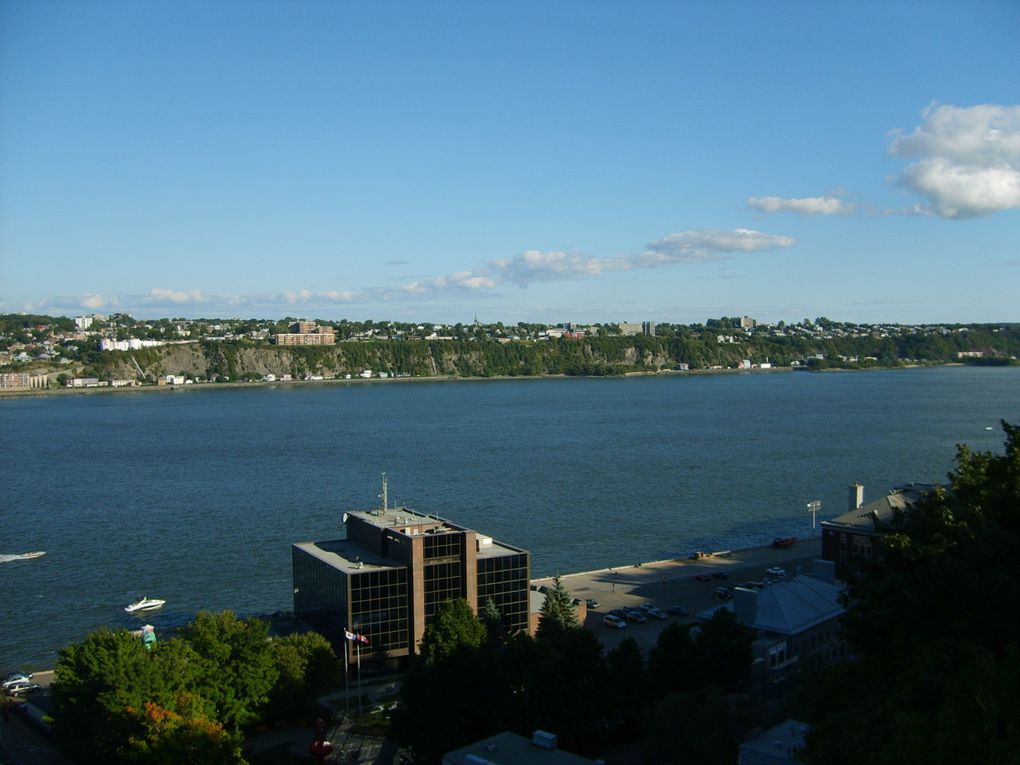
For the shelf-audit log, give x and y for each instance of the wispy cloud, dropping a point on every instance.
(162, 296)
(968, 160)
(533, 266)
(800, 205)
(462, 280)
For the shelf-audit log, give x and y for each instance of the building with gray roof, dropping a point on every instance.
(850, 538)
(792, 620)
(511, 749)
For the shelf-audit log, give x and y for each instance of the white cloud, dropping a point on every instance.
(710, 244)
(461, 280)
(537, 266)
(338, 296)
(159, 295)
(92, 301)
(968, 159)
(801, 205)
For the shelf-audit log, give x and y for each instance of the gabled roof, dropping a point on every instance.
(789, 608)
(864, 517)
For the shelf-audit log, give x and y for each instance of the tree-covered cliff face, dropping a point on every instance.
(238, 361)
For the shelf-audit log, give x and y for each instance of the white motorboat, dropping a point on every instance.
(22, 556)
(145, 604)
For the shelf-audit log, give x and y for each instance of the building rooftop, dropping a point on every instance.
(511, 749)
(789, 608)
(780, 744)
(346, 556)
(882, 510)
(407, 521)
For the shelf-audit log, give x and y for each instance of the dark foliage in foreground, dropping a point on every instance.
(935, 623)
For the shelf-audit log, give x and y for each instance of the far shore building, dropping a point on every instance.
(850, 539)
(306, 333)
(388, 578)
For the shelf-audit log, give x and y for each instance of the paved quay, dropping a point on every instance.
(672, 583)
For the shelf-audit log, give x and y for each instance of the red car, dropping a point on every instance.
(703, 577)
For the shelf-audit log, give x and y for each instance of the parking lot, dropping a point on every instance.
(674, 583)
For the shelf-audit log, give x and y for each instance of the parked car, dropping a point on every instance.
(614, 621)
(592, 603)
(636, 617)
(619, 613)
(724, 593)
(776, 571)
(21, 687)
(678, 611)
(17, 677)
(703, 577)
(656, 613)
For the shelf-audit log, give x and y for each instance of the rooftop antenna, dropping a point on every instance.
(385, 493)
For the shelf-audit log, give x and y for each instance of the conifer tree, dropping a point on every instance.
(557, 613)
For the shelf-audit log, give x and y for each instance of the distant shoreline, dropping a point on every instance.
(15, 392)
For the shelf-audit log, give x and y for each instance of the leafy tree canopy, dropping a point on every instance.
(935, 623)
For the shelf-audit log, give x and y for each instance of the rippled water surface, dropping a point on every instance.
(195, 496)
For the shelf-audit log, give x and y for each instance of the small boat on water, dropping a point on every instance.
(145, 604)
(784, 541)
(22, 556)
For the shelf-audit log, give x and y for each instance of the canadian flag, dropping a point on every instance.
(356, 636)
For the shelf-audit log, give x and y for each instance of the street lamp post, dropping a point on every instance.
(813, 507)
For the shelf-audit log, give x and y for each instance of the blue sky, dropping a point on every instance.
(514, 161)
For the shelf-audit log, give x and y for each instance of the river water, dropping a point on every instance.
(195, 496)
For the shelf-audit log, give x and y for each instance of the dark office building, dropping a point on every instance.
(387, 579)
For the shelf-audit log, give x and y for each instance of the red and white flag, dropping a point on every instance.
(356, 636)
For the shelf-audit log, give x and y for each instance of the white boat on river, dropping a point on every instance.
(145, 604)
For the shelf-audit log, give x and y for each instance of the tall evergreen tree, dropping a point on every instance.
(558, 612)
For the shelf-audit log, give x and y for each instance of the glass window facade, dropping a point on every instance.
(443, 581)
(379, 607)
(449, 545)
(504, 579)
(318, 587)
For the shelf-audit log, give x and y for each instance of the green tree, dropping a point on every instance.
(558, 612)
(626, 668)
(455, 628)
(725, 648)
(170, 737)
(99, 685)
(934, 623)
(451, 679)
(308, 667)
(238, 665)
(695, 728)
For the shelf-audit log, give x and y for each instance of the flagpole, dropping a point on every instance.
(357, 648)
(347, 678)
